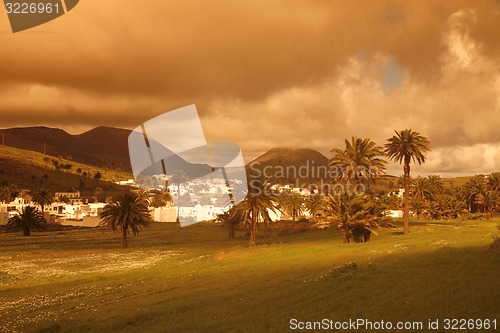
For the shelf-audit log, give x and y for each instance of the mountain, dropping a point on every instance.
(101, 146)
(109, 145)
(291, 165)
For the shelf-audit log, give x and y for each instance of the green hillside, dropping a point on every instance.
(26, 170)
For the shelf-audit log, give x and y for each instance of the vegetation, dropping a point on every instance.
(41, 197)
(29, 218)
(299, 273)
(292, 203)
(257, 205)
(159, 198)
(8, 193)
(19, 166)
(361, 159)
(349, 209)
(194, 279)
(129, 212)
(407, 146)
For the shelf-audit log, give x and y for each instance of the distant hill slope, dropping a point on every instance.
(286, 165)
(101, 146)
(309, 166)
(25, 169)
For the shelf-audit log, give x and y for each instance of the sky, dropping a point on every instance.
(265, 74)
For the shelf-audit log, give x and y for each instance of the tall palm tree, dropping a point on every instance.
(29, 218)
(128, 212)
(407, 146)
(178, 177)
(361, 159)
(42, 197)
(257, 205)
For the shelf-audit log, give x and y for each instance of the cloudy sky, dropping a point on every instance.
(297, 73)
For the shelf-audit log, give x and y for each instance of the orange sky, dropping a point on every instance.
(269, 73)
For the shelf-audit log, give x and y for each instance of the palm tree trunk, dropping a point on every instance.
(253, 229)
(124, 238)
(231, 227)
(26, 231)
(178, 202)
(406, 198)
(345, 231)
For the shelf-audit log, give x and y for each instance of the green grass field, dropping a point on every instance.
(195, 279)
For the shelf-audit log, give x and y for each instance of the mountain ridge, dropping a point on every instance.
(101, 146)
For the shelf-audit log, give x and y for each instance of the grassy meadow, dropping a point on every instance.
(195, 279)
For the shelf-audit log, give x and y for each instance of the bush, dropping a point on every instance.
(360, 233)
(495, 247)
(474, 216)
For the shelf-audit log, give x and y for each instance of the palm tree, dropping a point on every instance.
(160, 198)
(494, 182)
(407, 146)
(361, 159)
(418, 207)
(292, 203)
(314, 204)
(471, 190)
(178, 177)
(456, 208)
(421, 190)
(348, 208)
(231, 219)
(56, 164)
(97, 177)
(41, 197)
(8, 193)
(84, 174)
(257, 204)
(29, 218)
(435, 184)
(128, 212)
(441, 207)
(489, 201)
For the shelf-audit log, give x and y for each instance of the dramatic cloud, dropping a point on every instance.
(266, 74)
